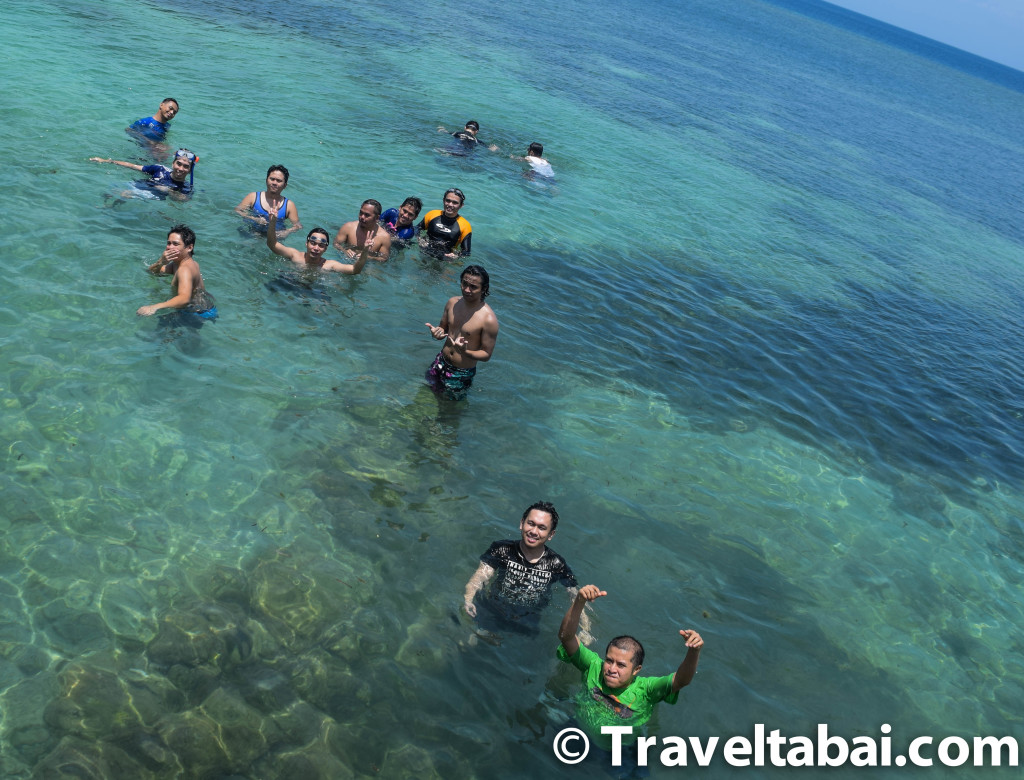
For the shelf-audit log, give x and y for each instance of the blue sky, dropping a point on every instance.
(993, 29)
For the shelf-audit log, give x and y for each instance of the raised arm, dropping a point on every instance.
(571, 621)
(122, 163)
(584, 631)
(688, 668)
(480, 578)
(277, 247)
(349, 268)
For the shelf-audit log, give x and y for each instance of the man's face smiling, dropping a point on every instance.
(316, 245)
(618, 670)
(472, 288)
(167, 110)
(537, 528)
(406, 214)
(452, 204)
(180, 168)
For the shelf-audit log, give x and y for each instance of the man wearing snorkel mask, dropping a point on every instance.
(174, 180)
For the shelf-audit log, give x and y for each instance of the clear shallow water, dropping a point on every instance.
(759, 345)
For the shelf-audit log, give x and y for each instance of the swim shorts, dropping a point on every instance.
(448, 379)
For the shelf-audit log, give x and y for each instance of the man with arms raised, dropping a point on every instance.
(613, 692)
(469, 329)
(365, 233)
(316, 244)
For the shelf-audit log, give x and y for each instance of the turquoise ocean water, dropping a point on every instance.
(760, 344)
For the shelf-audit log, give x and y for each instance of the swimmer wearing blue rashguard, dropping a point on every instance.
(154, 128)
(190, 295)
(176, 180)
(400, 222)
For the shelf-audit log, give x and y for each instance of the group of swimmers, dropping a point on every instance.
(468, 325)
(514, 579)
(513, 583)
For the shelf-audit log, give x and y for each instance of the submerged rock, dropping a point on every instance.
(82, 759)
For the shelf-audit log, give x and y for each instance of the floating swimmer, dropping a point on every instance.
(538, 165)
(467, 136)
(190, 295)
(176, 180)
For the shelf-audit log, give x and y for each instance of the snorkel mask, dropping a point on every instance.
(192, 157)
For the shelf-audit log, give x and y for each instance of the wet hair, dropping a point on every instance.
(327, 235)
(474, 124)
(416, 203)
(281, 168)
(630, 645)
(543, 506)
(485, 282)
(457, 191)
(171, 100)
(535, 150)
(374, 203)
(188, 235)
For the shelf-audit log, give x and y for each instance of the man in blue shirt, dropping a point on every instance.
(177, 179)
(155, 127)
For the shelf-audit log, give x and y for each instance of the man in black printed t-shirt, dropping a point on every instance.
(526, 570)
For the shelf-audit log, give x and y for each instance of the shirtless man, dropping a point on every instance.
(187, 285)
(365, 233)
(469, 329)
(316, 245)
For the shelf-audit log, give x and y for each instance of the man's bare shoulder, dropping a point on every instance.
(488, 315)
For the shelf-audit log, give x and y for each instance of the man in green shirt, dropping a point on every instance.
(614, 694)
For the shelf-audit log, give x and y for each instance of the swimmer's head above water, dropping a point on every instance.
(183, 157)
(281, 169)
(187, 236)
(535, 150)
(485, 280)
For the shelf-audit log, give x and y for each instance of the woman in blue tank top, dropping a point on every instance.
(255, 207)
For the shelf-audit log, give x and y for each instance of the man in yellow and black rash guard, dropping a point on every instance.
(444, 232)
